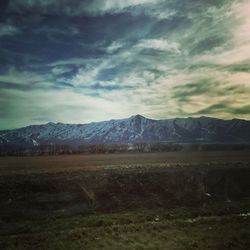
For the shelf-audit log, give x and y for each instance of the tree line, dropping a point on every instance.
(66, 149)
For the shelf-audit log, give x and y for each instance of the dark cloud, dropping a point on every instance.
(74, 8)
(203, 87)
(218, 107)
(206, 87)
(217, 97)
(224, 107)
(239, 67)
(8, 30)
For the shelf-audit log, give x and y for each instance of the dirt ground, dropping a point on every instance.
(100, 161)
(210, 228)
(171, 201)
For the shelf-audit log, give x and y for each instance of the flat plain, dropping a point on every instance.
(99, 161)
(175, 200)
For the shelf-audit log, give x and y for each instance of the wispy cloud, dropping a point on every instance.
(65, 7)
(105, 59)
(8, 30)
(20, 77)
(115, 46)
(159, 44)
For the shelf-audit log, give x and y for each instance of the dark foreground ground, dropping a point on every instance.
(127, 201)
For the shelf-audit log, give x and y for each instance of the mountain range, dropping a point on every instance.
(132, 130)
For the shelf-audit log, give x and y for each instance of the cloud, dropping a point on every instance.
(159, 44)
(8, 30)
(114, 46)
(59, 70)
(69, 8)
(212, 97)
(106, 6)
(87, 76)
(17, 113)
(225, 109)
(160, 13)
(243, 66)
(237, 48)
(24, 80)
(62, 29)
(20, 77)
(163, 58)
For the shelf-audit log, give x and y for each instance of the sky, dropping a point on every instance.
(92, 60)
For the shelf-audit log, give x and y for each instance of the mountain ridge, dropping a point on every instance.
(136, 128)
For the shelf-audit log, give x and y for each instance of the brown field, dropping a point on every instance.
(100, 161)
(174, 201)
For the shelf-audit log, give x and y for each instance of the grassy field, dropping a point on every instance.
(100, 161)
(182, 228)
(172, 201)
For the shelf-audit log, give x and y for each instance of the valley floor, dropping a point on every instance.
(173, 201)
(60, 163)
(173, 229)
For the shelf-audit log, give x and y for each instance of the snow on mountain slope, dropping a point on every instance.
(134, 129)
